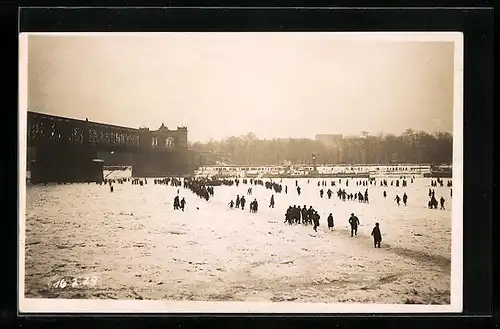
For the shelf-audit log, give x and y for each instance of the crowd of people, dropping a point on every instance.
(295, 214)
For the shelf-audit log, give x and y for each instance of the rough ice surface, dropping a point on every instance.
(138, 247)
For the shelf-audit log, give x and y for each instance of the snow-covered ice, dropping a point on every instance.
(138, 247)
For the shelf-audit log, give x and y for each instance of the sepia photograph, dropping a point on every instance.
(291, 172)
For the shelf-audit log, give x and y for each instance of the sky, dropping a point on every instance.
(275, 85)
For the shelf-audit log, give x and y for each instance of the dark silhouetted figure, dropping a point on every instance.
(330, 222)
(183, 203)
(298, 190)
(354, 221)
(377, 236)
(316, 218)
(385, 194)
(405, 198)
(321, 193)
(271, 204)
(238, 201)
(254, 206)
(111, 188)
(176, 202)
(397, 198)
(433, 203)
(231, 204)
(242, 202)
(441, 201)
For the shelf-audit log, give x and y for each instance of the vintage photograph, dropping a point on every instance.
(240, 172)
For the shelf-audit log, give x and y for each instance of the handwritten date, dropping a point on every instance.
(71, 282)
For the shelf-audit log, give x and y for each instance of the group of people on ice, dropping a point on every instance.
(296, 215)
(179, 204)
(240, 203)
(343, 195)
(201, 187)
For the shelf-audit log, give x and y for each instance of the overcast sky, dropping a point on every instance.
(222, 84)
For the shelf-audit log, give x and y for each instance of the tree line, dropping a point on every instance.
(409, 147)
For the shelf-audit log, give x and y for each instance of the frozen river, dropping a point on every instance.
(136, 246)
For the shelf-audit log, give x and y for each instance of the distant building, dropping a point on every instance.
(164, 138)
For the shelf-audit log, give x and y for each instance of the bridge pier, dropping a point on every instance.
(163, 164)
(65, 164)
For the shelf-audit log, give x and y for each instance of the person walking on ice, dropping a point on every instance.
(397, 198)
(271, 204)
(441, 201)
(354, 221)
(377, 236)
(405, 198)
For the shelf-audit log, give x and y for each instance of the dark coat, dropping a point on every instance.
(354, 221)
(377, 236)
(330, 221)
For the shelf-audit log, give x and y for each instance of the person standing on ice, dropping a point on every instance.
(377, 236)
(271, 204)
(316, 218)
(238, 201)
(441, 201)
(231, 204)
(354, 221)
(183, 203)
(330, 222)
(366, 196)
(385, 194)
(286, 189)
(288, 215)
(298, 190)
(176, 202)
(242, 202)
(321, 193)
(310, 212)
(397, 198)
(405, 198)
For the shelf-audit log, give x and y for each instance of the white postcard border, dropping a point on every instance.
(35, 305)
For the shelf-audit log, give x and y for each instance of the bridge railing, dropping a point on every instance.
(54, 129)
